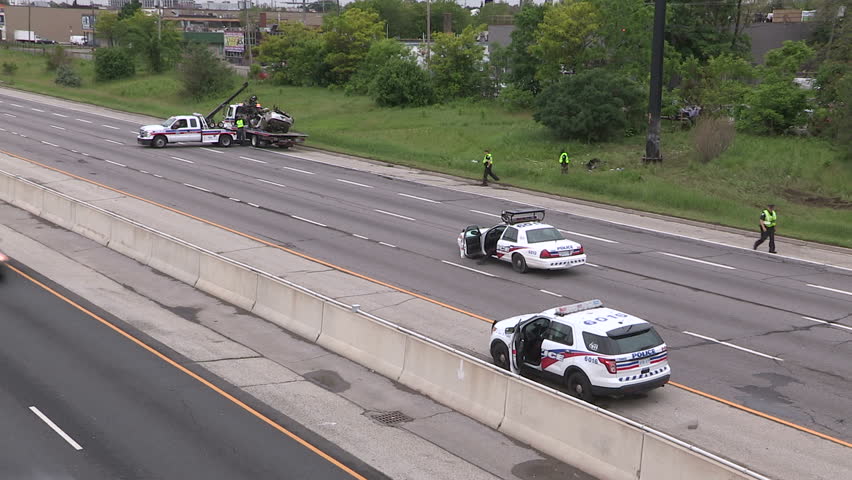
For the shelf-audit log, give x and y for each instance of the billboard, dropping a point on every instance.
(88, 21)
(234, 42)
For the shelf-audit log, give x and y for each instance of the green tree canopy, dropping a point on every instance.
(159, 47)
(563, 36)
(457, 63)
(347, 41)
(523, 64)
(401, 82)
(296, 55)
(380, 53)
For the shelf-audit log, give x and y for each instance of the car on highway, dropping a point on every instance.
(523, 240)
(591, 349)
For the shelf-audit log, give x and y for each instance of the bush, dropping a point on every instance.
(594, 105)
(66, 76)
(113, 63)
(400, 82)
(514, 98)
(203, 74)
(712, 136)
(9, 68)
(773, 107)
(56, 58)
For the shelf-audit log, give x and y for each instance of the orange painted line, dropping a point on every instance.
(479, 317)
(763, 415)
(183, 369)
(260, 240)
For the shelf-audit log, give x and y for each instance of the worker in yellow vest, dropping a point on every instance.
(487, 163)
(241, 131)
(768, 220)
(564, 160)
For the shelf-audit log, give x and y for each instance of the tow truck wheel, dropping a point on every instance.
(225, 140)
(500, 354)
(159, 141)
(518, 263)
(579, 386)
(254, 141)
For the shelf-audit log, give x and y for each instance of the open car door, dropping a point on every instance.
(472, 241)
(528, 334)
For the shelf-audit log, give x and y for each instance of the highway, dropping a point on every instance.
(80, 401)
(779, 357)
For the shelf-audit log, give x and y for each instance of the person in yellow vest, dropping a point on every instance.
(564, 160)
(241, 131)
(768, 220)
(487, 162)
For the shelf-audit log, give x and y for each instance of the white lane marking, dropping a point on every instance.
(24, 135)
(37, 110)
(211, 150)
(60, 115)
(394, 214)
(16, 105)
(135, 132)
(300, 171)
(158, 176)
(198, 188)
(360, 236)
(115, 163)
(113, 141)
(2, 129)
(143, 171)
(486, 213)
(830, 289)
(55, 428)
(733, 346)
(253, 205)
(271, 183)
(74, 151)
(417, 198)
(468, 268)
(182, 160)
(387, 244)
(81, 120)
(10, 115)
(58, 128)
(234, 199)
(587, 236)
(253, 160)
(696, 260)
(550, 293)
(828, 323)
(354, 183)
(109, 126)
(593, 265)
(309, 221)
(48, 143)
(86, 154)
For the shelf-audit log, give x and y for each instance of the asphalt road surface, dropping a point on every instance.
(779, 358)
(80, 401)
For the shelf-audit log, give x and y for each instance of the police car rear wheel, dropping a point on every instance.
(579, 386)
(500, 354)
(518, 263)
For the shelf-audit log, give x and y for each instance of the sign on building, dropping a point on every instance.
(234, 42)
(88, 22)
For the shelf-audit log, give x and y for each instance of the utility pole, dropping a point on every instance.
(159, 19)
(428, 33)
(30, 35)
(655, 96)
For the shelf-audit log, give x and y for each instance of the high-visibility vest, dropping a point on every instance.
(769, 218)
(240, 123)
(564, 158)
(487, 158)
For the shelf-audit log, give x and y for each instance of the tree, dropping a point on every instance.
(203, 73)
(159, 47)
(460, 16)
(564, 34)
(786, 61)
(109, 28)
(380, 53)
(724, 82)
(347, 40)
(524, 64)
(296, 55)
(112, 63)
(399, 17)
(457, 63)
(128, 10)
(623, 39)
(773, 107)
(593, 105)
(695, 29)
(401, 82)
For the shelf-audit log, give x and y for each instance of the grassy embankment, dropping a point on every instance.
(804, 177)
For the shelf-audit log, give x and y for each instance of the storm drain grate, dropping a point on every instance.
(390, 418)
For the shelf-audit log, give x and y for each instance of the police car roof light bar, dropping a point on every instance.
(578, 307)
(512, 217)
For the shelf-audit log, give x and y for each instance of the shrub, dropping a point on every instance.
(773, 107)
(113, 63)
(594, 105)
(56, 58)
(400, 82)
(712, 136)
(514, 98)
(203, 74)
(66, 76)
(9, 68)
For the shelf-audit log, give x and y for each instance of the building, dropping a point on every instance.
(57, 24)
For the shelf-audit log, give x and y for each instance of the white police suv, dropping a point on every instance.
(524, 241)
(595, 350)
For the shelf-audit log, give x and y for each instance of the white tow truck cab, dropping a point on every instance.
(185, 129)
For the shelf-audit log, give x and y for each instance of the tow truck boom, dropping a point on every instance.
(222, 105)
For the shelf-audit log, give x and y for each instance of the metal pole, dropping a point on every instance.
(159, 19)
(428, 32)
(655, 97)
(29, 22)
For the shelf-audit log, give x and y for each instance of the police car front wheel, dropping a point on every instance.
(579, 386)
(500, 355)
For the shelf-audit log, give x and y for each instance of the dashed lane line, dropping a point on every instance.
(469, 269)
(727, 344)
(55, 428)
(417, 198)
(697, 260)
(394, 215)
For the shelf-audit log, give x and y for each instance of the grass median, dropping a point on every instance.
(805, 177)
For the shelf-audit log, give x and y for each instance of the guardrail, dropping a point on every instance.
(590, 438)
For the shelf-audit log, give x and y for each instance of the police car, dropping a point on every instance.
(593, 350)
(524, 241)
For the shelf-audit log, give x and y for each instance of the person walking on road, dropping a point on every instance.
(488, 162)
(768, 220)
(564, 160)
(241, 131)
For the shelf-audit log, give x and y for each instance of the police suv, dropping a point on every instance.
(594, 350)
(524, 241)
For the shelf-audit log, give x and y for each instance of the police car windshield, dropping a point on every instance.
(539, 235)
(628, 343)
(169, 122)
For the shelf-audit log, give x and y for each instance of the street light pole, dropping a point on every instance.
(428, 33)
(655, 96)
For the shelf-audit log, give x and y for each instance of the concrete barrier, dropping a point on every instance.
(92, 223)
(663, 460)
(464, 384)
(7, 189)
(175, 259)
(573, 433)
(368, 342)
(28, 196)
(289, 308)
(58, 209)
(230, 282)
(130, 240)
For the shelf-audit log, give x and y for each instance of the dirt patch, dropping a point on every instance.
(814, 200)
